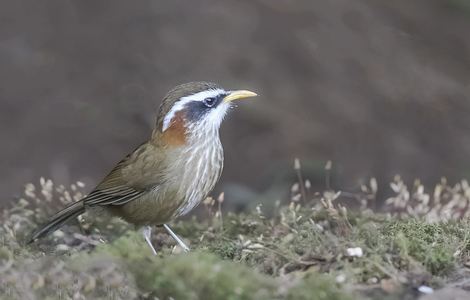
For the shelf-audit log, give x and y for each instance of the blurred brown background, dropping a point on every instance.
(379, 87)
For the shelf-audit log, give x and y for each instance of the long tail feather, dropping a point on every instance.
(58, 220)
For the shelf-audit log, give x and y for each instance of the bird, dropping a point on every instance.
(171, 173)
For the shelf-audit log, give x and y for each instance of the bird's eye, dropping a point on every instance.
(209, 102)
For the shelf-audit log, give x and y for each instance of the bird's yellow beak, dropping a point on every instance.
(241, 94)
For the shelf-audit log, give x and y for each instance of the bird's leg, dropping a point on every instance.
(147, 231)
(177, 238)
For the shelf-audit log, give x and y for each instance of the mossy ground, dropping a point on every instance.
(299, 252)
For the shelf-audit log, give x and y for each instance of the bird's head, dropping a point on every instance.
(195, 110)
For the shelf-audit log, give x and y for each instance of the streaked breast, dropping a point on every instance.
(197, 171)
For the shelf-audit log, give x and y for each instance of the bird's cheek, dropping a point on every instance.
(217, 115)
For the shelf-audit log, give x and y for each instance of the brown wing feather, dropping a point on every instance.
(131, 178)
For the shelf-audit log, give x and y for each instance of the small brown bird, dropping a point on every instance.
(169, 175)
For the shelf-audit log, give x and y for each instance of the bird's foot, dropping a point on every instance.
(147, 232)
(177, 238)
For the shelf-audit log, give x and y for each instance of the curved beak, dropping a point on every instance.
(240, 94)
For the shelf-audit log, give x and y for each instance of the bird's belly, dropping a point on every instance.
(153, 208)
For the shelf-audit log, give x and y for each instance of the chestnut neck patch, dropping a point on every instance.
(175, 134)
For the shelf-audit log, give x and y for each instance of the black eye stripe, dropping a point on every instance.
(209, 102)
(196, 110)
(213, 101)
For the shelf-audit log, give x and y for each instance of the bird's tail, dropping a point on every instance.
(57, 220)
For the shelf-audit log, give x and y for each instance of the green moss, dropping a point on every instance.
(224, 249)
(317, 287)
(433, 245)
(299, 253)
(203, 275)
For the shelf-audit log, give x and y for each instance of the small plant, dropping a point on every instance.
(445, 203)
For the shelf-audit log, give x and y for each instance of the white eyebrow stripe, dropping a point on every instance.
(203, 95)
(179, 105)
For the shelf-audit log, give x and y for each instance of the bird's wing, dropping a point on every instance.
(132, 177)
(112, 197)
